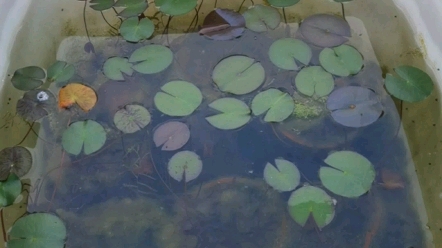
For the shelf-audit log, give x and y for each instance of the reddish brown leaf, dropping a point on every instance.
(84, 96)
(391, 180)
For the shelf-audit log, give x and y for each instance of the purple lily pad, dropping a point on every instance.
(171, 135)
(325, 30)
(35, 104)
(89, 48)
(223, 24)
(354, 106)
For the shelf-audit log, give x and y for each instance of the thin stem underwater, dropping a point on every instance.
(3, 226)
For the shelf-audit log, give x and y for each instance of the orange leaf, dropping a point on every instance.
(77, 93)
(391, 180)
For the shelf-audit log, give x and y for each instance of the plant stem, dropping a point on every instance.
(84, 20)
(26, 135)
(3, 225)
(343, 11)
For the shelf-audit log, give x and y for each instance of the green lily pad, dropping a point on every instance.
(342, 1)
(176, 7)
(412, 85)
(114, 68)
(234, 113)
(278, 105)
(282, 3)
(152, 59)
(15, 160)
(39, 230)
(285, 51)
(284, 177)
(311, 201)
(87, 135)
(9, 190)
(260, 18)
(185, 165)
(179, 98)
(100, 5)
(134, 30)
(238, 75)
(60, 71)
(28, 78)
(343, 60)
(131, 7)
(314, 81)
(132, 118)
(351, 176)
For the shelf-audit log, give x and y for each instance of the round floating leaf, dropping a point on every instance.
(171, 135)
(89, 47)
(60, 71)
(223, 24)
(28, 78)
(131, 118)
(39, 230)
(260, 18)
(84, 96)
(185, 165)
(341, 61)
(238, 75)
(354, 106)
(284, 177)
(114, 68)
(135, 30)
(283, 53)
(88, 136)
(351, 176)
(282, 3)
(325, 30)
(100, 5)
(175, 7)
(179, 98)
(152, 59)
(234, 113)
(16, 160)
(131, 7)
(314, 80)
(9, 190)
(311, 201)
(278, 105)
(35, 104)
(412, 85)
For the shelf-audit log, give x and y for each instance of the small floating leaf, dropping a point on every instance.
(284, 177)
(234, 113)
(179, 98)
(278, 105)
(114, 68)
(175, 7)
(60, 71)
(412, 85)
(132, 118)
(35, 104)
(354, 106)
(100, 5)
(87, 135)
(152, 58)
(28, 78)
(16, 160)
(314, 80)
(185, 165)
(325, 30)
(39, 230)
(131, 7)
(89, 47)
(282, 3)
(311, 201)
(9, 190)
(351, 176)
(223, 24)
(238, 75)
(171, 135)
(260, 18)
(283, 53)
(134, 30)
(341, 61)
(84, 96)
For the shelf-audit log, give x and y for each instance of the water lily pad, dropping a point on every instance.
(28, 78)
(10, 190)
(77, 93)
(260, 18)
(35, 104)
(132, 8)
(39, 230)
(223, 24)
(179, 98)
(234, 113)
(132, 118)
(314, 81)
(238, 75)
(87, 135)
(175, 7)
(171, 135)
(354, 106)
(60, 71)
(325, 30)
(152, 59)
(284, 177)
(114, 68)
(351, 176)
(185, 165)
(311, 201)
(100, 5)
(341, 61)
(282, 3)
(284, 52)
(278, 105)
(134, 30)
(412, 85)
(89, 47)
(16, 160)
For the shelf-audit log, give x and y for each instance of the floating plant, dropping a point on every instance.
(87, 135)
(60, 71)
(314, 81)
(132, 118)
(100, 5)
(151, 59)
(284, 176)
(135, 30)
(282, 3)
(114, 67)
(341, 61)
(223, 24)
(16, 160)
(132, 8)
(10, 189)
(260, 18)
(171, 135)
(28, 78)
(325, 30)
(175, 8)
(277, 105)
(35, 104)
(286, 51)
(77, 93)
(234, 113)
(185, 165)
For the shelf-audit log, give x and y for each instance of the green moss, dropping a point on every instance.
(304, 111)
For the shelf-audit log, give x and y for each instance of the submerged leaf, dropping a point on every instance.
(314, 80)
(171, 135)
(282, 3)
(152, 59)
(341, 61)
(284, 177)
(132, 118)
(260, 18)
(114, 68)
(175, 7)
(185, 165)
(84, 96)
(16, 160)
(134, 30)
(89, 47)
(60, 71)
(9, 190)
(35, 104)
(223, 24)
(325, 30)
(87, 135)
(285, 51)
(28, 78)
(131, 7)
(100, 5)
(278, 105)
(391, 180)
(234, 113)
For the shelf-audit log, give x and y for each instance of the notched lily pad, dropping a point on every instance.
(28, 78)
(132, 118)
(284, 52)
(35, 104)
(88, 136)
(171, 135)
(16, 160)
(341, 61)
(132, 8)
(60, 71)
(10, 190)
(151, 59)
(185, 165)
(114, 68)
(325, 30)
(174, 7)
(260, 18)
(234, 113)
(223, 24)
(278, 105)
(284, 177)
(282, 3)
(314, 81)
(135, 30)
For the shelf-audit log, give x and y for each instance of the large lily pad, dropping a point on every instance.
(132, 8)
(35, 104)
(341, 61)
(10, 190)
(325, 30)
(132, 118)
(351, 176)
(314, 81)
(284, 177)
(152, 59)
(412, 85)
(234, 113)
(60, 71)
(134, 30)
(171, 135)
(175, 7)
(223, 24)
(114, 68)
(354, 106)
(278, 105)
(238, 75)
(28, 78)
(16, 160)
(87, 135)
(284, 52)
(185, 165)
(178, 98)
(260, 18)
(282, 3)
